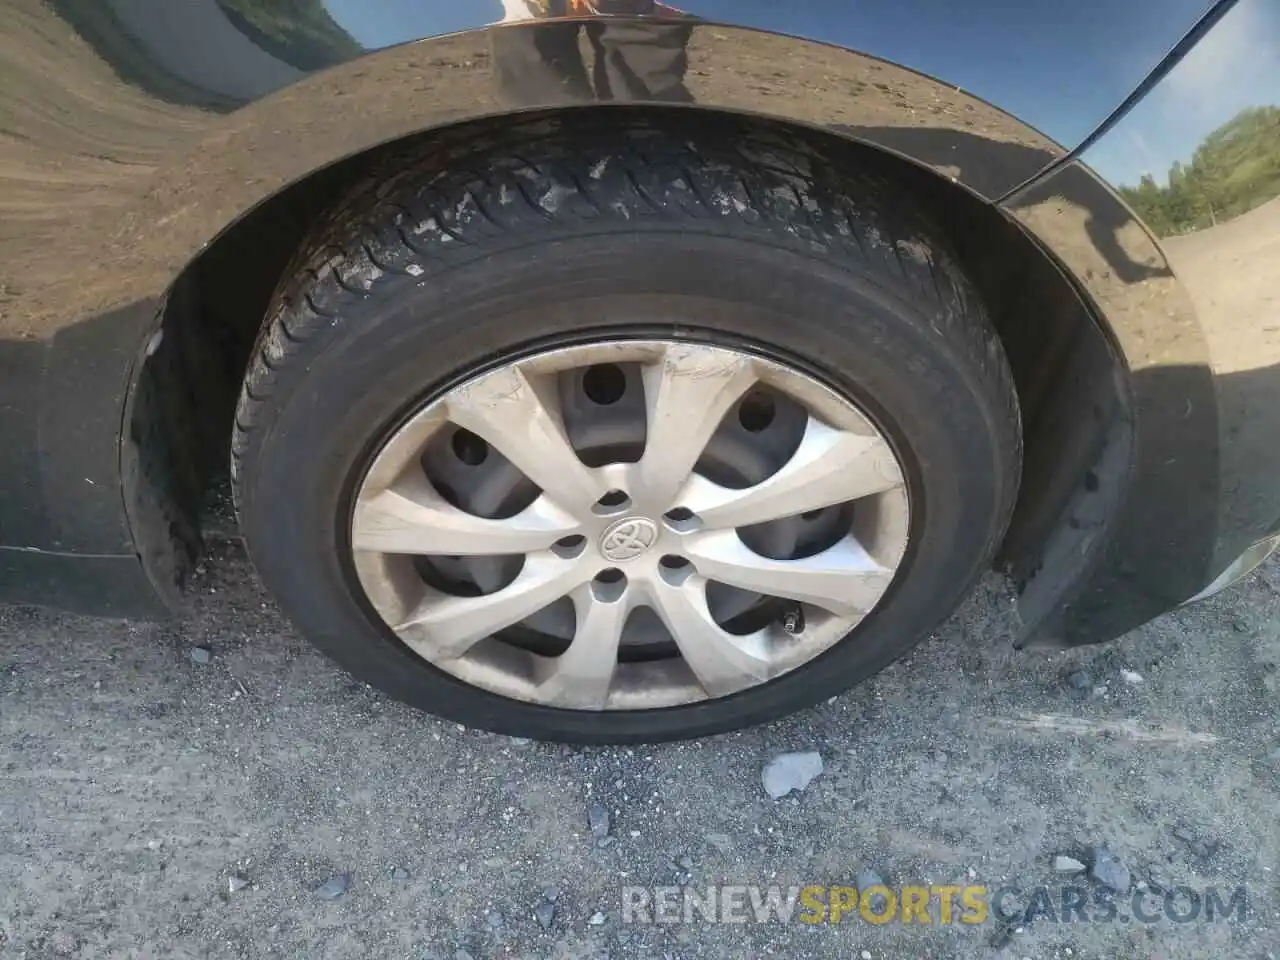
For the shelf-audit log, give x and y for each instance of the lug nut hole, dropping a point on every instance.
(756, 412)
(615, 501)
(604, 384)
(469, 448)
(570, 547)
(675, 570)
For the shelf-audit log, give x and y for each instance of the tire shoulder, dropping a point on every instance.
(415, 216)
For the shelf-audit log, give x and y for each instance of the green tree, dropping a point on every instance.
(1234, 169)
(299, 32)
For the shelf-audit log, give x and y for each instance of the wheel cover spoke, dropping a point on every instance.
(830, 466)
(447, 626)
(443, 574)
(722, 663)
(412, 518)
(520, 417)
(581, 676)
(843, 579)
(687, 394)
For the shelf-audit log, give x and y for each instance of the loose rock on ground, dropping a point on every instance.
(791, 772)
(1109, 870)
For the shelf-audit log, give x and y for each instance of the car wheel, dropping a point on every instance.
(607, 435)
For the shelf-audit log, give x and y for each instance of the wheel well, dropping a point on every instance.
(1071, 384)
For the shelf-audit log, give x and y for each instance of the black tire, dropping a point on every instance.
(547, 235)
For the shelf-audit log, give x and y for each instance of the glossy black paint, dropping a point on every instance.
(173, 119)
(1196, 316)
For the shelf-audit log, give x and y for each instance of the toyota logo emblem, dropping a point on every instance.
(627, 539)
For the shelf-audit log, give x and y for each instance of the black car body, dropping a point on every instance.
(160, 161)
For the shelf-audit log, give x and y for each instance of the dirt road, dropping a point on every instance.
(138, 783)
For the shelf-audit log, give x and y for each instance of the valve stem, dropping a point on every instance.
(793, 621)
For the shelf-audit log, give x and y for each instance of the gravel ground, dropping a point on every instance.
(264, 804)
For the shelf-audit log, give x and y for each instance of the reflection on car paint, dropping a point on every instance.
(1196, 314)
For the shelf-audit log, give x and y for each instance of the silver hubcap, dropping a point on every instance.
(630, 525)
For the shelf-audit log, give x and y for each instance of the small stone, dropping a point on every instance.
(494, 919)
(1002, 936)
(462, 955)
(334, 887)
(721, 841)
(1109, 870)
(865, 955)
(520, 741)
(63, 944)
(604, 843)
(545, 914)
(154, 844)
(790, 771)
(1204, 849)
(599, 821)
(1239, 626)
(1064, 864)
(400, 873)
(201, 654)
(597, 919)
(1132, 677)
(864, 881)
(685, 863)
(237, 882)
(551, 894)
(1080, 681)
(868, 878)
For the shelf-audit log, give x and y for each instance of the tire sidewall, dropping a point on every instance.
(411, 339)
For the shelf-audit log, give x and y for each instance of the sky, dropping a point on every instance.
(1060, 65)
(1237, 65)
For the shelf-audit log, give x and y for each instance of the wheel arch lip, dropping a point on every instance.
(1183, 298)
(240, 161)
